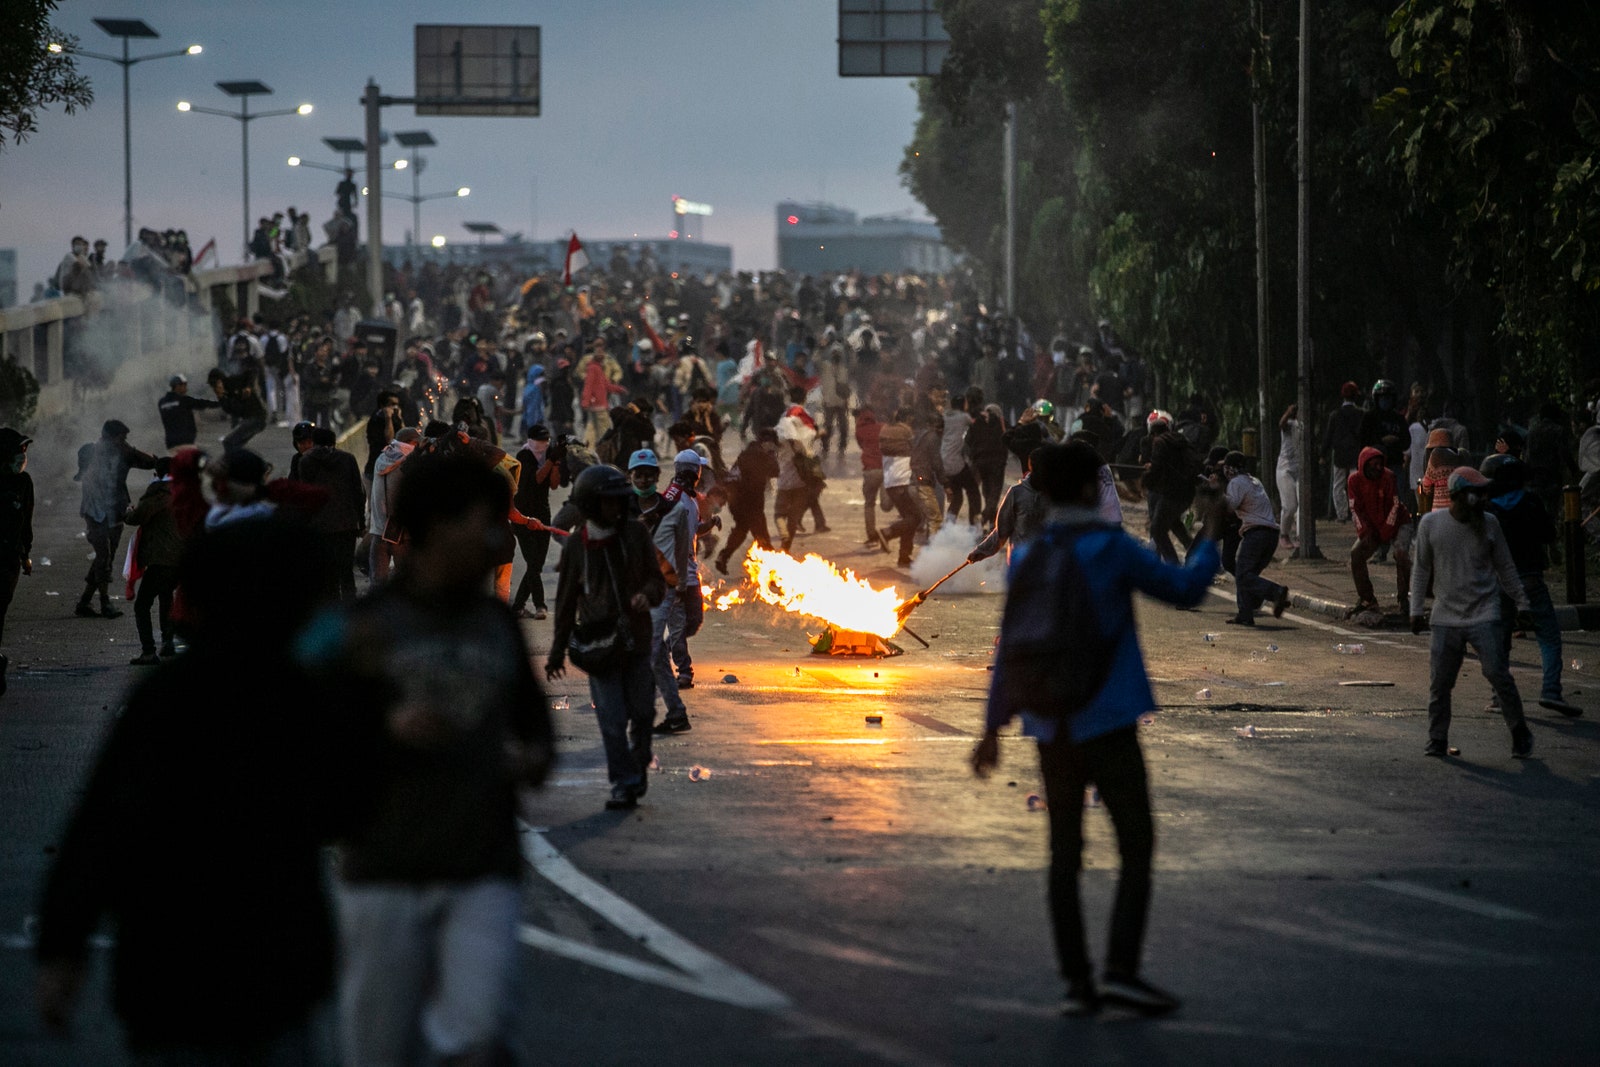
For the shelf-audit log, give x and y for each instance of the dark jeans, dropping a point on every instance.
(157, 585)
(790, 508)
(871, 486)
(1256, 547)
(1166, 521)
(1116, 766)
(241, 434)
(103, 537)
(958, 485)
(836, 427)
(694, 617)
(1545, 626)
(749, 520)
(9, 573)
(535, 547)
(905, 527)
(1447, 648)
(993, 482)
(625, 706)
(339, 564)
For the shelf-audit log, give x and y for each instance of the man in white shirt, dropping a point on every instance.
(1258, 539)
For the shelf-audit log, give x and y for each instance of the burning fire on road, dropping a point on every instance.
(859, 618)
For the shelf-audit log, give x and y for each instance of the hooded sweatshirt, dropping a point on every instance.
(1372, 499)
(386, 485)
(533, 398)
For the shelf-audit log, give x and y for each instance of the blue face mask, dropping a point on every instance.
(1507, 501)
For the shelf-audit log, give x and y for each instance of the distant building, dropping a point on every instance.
(696, 257)
(824, 238)
(8, 277)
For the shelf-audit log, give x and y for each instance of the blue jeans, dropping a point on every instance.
(1256, 547)
(1448, 648)
(625, 707)
(667, 621)
(694, 616)
(1545, 627)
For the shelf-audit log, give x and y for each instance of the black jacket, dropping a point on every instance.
(16, 516)
(177, 417)
(336, 471)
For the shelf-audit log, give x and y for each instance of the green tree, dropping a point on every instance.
(32, 77)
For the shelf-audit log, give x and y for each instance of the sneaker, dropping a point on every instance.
(145, 659)
(524, 613)
(1571, 711)
(1281, 603)
(722, 565)
(672, 724)
(622, 798)
(685, 681)
(1137, 994)
(1493, 705)
(109, 612)
(904, 563)
(1437, 749)
(823, 529)
(540, 614)
(1240, 620)
(1521, 741)
(1081, 998)
(84, 611)
(871, 541)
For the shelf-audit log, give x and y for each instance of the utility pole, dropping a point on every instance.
(370, 102)
(1263, 314)
(1010, 154)
(1308, 448)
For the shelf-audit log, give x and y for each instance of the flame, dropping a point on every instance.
(816, 588)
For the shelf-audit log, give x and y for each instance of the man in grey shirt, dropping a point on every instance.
(1465, 555)
(1258, 539)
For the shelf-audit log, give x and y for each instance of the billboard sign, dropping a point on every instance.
(681, 206)
(477, 70)
(891, 38)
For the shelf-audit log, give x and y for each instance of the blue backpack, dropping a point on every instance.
(1054, 656)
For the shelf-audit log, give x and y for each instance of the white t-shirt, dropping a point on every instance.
(1249, 501)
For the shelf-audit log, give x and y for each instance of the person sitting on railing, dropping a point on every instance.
(75, 275)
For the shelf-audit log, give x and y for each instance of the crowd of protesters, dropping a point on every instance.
(656, 402)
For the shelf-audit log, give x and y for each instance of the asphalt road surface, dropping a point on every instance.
(844, 892)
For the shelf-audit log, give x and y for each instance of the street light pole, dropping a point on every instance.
(127, 29)
(244, 144)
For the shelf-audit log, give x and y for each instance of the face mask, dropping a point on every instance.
(1385, 403)
(1473, 500)
(18, 462)
(648, 490)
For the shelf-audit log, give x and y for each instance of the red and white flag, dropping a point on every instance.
(577, 259)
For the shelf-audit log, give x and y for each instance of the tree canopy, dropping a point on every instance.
(32, 77)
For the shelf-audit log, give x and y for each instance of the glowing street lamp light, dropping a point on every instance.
(126, 29)
(243, 91)
(438, 240)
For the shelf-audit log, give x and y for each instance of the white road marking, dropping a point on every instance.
(1451, 900)
(865, 957)
(698, 971)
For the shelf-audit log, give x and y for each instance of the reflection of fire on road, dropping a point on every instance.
(859, 618)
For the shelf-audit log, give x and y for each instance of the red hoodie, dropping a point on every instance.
(1372, 499)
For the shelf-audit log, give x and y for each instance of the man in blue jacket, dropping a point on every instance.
(1097, 743)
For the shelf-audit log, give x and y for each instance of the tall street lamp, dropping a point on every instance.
(243, 91)
(127, 29)
(415, 139)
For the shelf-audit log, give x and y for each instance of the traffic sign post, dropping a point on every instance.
(460, 71)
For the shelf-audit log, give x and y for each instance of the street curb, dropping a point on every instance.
(1571, 617)
(1306, 602)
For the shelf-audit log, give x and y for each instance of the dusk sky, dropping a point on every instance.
(735, 103)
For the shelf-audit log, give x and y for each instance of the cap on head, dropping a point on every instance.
(114, 428)
(302, 431)
(688, 458)
(177, 380)
(1466, 479)
(539, 432)
(643, 458)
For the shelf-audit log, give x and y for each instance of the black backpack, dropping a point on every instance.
(1054, 657)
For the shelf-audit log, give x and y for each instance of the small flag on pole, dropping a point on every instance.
(577, 259)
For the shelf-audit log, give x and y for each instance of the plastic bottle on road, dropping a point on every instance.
(1246, 732)
(1204, 694)
(1210, 639)
(1356, 649)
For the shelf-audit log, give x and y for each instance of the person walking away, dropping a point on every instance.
(671, 523)
(432, 678)
(383, 526)
(1289, 434)
(1439, 460)
(158, 549)
(1463, 553)
(258, 784)
(533, 400)
(338, 521)
(1549, 453)
(834, 382)
(1528, 532)
(867, 430)
(1258, 539)
(1021, 516)
(539, 471)
(1344, 446)
(1380, 519)
(987, 446)
(609, 581)
(177, 410)
(1170, 481)
(103, 468)
(895, 441)
(16, 526)
(747, 495)
(1090, 736)
(959, 479)
(927, 470)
